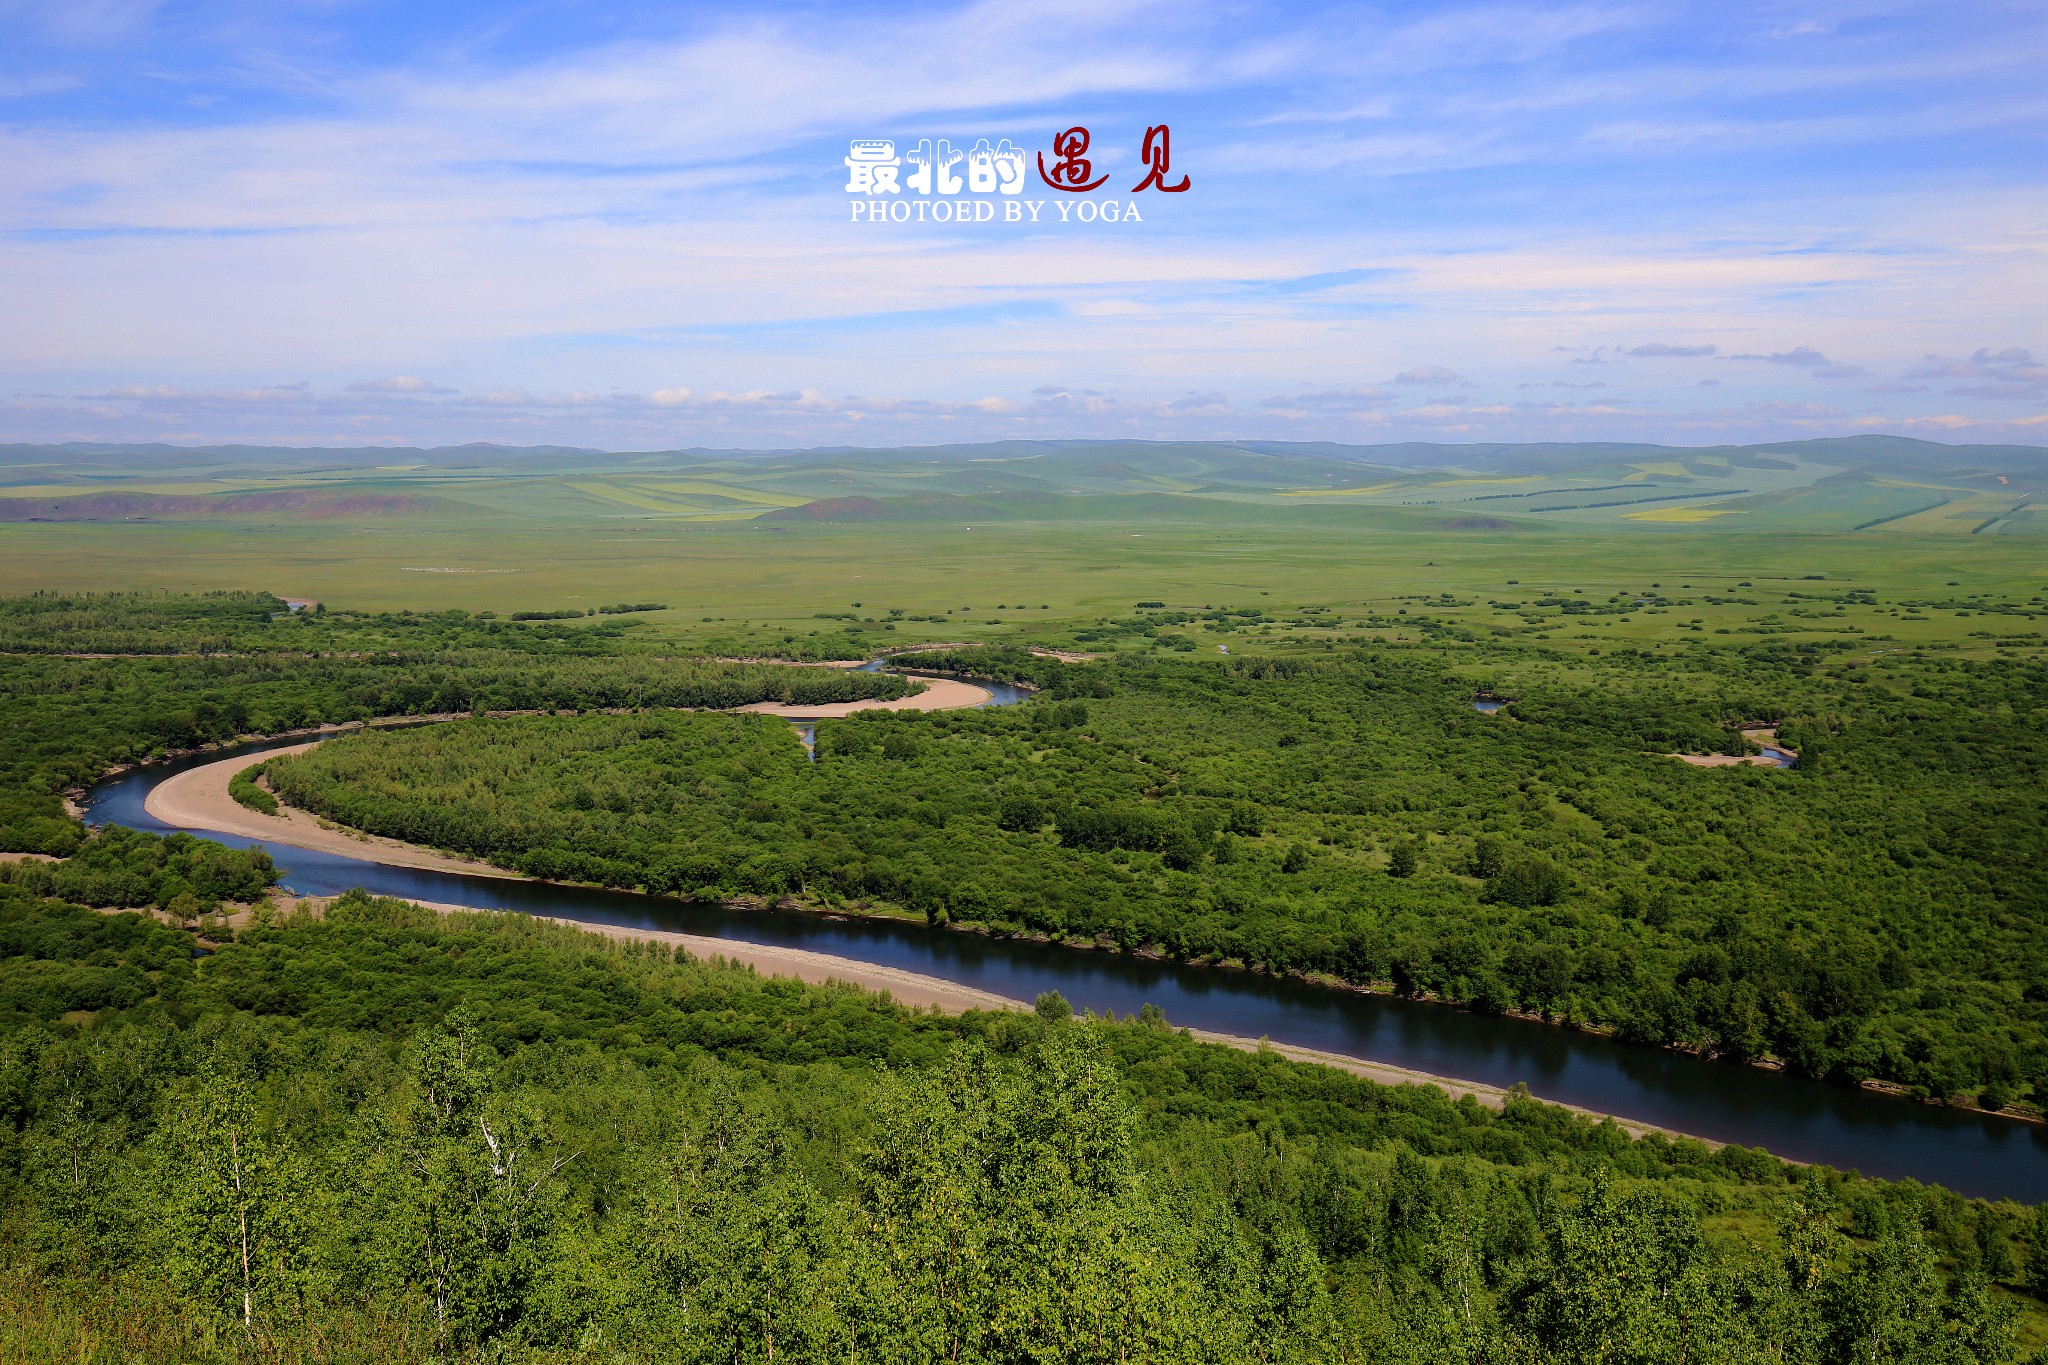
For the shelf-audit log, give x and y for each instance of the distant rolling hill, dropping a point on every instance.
(304, 505)
(1879, 484)
(1046, 461)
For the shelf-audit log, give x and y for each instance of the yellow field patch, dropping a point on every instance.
(1336, 492)
(612, 493)
(1505, 478)
(1958, 517)
(1670, 469)
(1684, 514)
(1907, 483)
(723, 490)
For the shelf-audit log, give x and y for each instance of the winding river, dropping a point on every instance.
(1967, 1151)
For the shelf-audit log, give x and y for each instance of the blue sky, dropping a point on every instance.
(626, 226)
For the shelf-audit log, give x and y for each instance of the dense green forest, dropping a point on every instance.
(1876, 912)
(112, 624)
(64, 720)
(381, 1135)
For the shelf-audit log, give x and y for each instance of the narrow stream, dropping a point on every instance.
(1967, 1151)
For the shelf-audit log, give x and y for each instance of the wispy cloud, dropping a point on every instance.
(1810, 360)
(1428, 374)
(1355, 398)
(398, 383)
(557, 221)
(1803, 356)
(2014, 366)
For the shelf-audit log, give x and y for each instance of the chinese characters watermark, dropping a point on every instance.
(942, 182)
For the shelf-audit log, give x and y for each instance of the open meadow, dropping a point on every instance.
(1037, 546)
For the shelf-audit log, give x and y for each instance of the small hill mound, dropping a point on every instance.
(835, 509)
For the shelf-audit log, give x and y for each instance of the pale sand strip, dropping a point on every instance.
(922, 992)
(1725, 760)
(939, 694)
(198, 799)
(1760, 734)
(906, 988)
(917, 991)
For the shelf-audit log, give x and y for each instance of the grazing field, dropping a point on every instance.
(1031, 536)
(1018, 580)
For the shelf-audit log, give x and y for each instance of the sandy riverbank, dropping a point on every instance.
(939, 694)
(906, 988)
(198, 799)
(1756, 735)
(1725, 760)
(926, 992)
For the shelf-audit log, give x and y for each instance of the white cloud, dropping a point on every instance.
(553, 236)
(1658, 348)
(2014, 366)
(1356, 398)
(1800, 355)
(398, 383)
(1427, 374)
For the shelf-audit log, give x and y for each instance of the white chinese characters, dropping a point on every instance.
(873, 167)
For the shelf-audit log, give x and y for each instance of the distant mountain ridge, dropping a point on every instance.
(1137, 457)
(1833, 484)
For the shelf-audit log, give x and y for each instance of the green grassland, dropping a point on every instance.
(1034, 540)
(1039, 580)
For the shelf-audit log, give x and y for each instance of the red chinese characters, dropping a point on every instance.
(1158, 159)
(1073, 173)
(1071, 169)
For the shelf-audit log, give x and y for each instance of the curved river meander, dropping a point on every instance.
(1804, 1120)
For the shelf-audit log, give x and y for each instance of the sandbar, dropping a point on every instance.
(198, 799)
(939, 694)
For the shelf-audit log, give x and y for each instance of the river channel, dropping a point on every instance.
(1804, 1120)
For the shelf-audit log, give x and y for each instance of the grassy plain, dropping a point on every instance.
(1030, 579)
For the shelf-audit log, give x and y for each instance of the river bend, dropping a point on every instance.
(1967, 1151)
